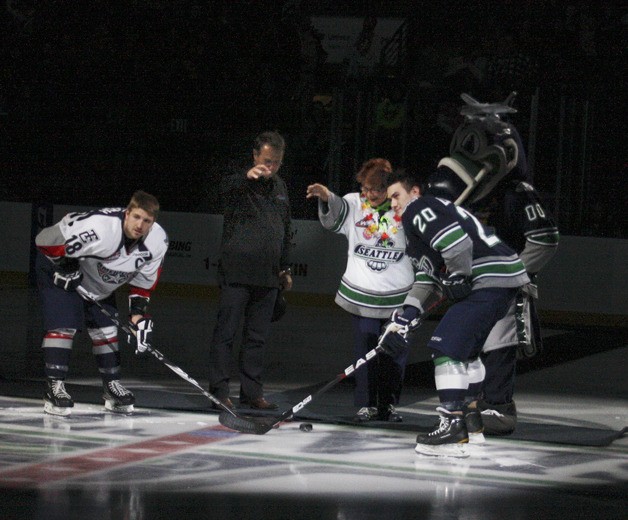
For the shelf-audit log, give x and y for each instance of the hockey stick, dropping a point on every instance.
(131, 330)
(244, 425)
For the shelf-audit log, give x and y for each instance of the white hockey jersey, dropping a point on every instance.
(97, 240)
(378, 274)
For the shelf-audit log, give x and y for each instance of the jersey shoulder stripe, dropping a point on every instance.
(448, 237)
(342, 217)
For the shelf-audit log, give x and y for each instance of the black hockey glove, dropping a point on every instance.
(143, 338)
(394, 340)
(67, 275)
(456, 287)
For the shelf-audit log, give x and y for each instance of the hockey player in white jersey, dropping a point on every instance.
(100, 251)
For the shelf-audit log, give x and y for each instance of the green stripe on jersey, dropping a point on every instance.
(441, 360)
(362, 298)
(424, 278)
(497, 268)
(448, 239)
(344, 211)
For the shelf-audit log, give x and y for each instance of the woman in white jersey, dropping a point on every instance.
(377, 278)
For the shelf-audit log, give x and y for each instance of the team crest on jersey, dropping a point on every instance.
(365, 222)
(378, 258)
(113, 277)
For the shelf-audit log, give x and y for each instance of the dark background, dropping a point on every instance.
(98, 99)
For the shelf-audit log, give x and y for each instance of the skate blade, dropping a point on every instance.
(60, 411)
(443, 450)
(477, 438)
(122, 409)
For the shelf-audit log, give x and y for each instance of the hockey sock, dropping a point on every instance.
(106, 351)
(57, 346)
(476, 373)
(452, 382)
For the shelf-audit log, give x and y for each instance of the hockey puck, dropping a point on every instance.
(305, 427)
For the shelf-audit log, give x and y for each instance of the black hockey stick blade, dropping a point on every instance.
(242, 424)
(250, 425)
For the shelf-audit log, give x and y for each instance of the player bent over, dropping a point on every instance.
(454, 254)
(506, 202)
(100, 251)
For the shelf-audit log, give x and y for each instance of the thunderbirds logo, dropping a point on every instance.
(378, 258)
(113, 277)
(423, 264)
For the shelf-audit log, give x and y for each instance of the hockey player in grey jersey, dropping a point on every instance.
(100, 251)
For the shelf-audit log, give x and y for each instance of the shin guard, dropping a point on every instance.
(452, 382)
(106, 351)
(476, 373)
(57, 346)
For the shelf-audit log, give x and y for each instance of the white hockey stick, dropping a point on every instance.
(246, 425)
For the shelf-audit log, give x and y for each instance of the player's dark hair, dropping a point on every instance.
(145, 201)
(374, 171)
(272, 139)
(402, 176)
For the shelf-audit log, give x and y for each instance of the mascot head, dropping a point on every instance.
(484, 150)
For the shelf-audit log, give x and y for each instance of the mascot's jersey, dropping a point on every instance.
(442, 235)
(97, 240)
(519, 219)
(378, 274)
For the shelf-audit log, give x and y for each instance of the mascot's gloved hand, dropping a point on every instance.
(394, 340)
(143, 338)
(456, 286)
(67, 275)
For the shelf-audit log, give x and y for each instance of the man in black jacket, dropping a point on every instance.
(253, 266)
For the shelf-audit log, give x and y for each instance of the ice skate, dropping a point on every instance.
(475, 427)
(448, 440)
(56, 400)
(117, 398)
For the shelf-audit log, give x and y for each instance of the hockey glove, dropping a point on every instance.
(456, 287)
(143, 338)
(67, 275)
(394, 337)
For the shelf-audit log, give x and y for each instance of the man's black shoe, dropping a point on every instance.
(259, 404)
